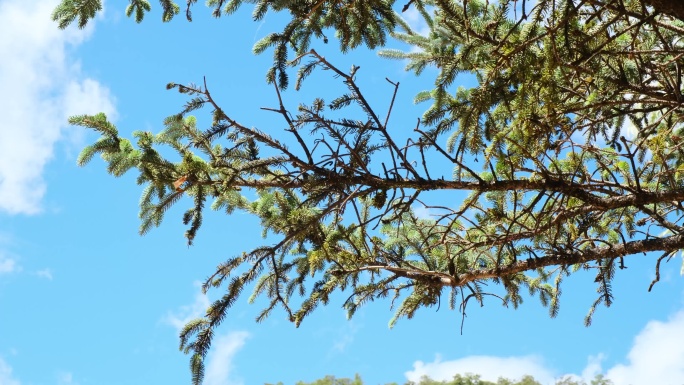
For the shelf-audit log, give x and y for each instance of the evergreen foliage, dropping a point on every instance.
(570, 150)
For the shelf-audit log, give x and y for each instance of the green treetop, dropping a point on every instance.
(569, 151)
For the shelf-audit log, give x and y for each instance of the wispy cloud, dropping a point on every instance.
(656, 357)
(66, 378)
(7, 264)
(43, 85)
(187, 313)
(423, 212)
(219, 367)
(45, 273)
(6, 374)
(345, 336)
(416, 21)
(489, 367)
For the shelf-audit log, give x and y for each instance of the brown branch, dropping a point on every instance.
(673, 8)
(668, 245)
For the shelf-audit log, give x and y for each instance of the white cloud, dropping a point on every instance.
(488, 367)
(66, 378)
(8, 261)
(45, 273)
(218, 365)
(341, 344)
(6, 374)
(345, 336)
(656, 357)
(219, 362)
(187, 313)
(628, 129)
(593, 367)
(7, 264)
(43, 86)
(422, 212)
(416, 21)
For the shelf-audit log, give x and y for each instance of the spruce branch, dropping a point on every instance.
(547, 181)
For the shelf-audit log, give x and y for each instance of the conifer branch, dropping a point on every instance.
(567, 155)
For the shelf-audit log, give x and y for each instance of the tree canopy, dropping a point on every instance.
(568, 151)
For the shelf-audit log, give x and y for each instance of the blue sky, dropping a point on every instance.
(85, 300)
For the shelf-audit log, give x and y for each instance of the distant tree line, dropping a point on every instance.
(458, 379)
